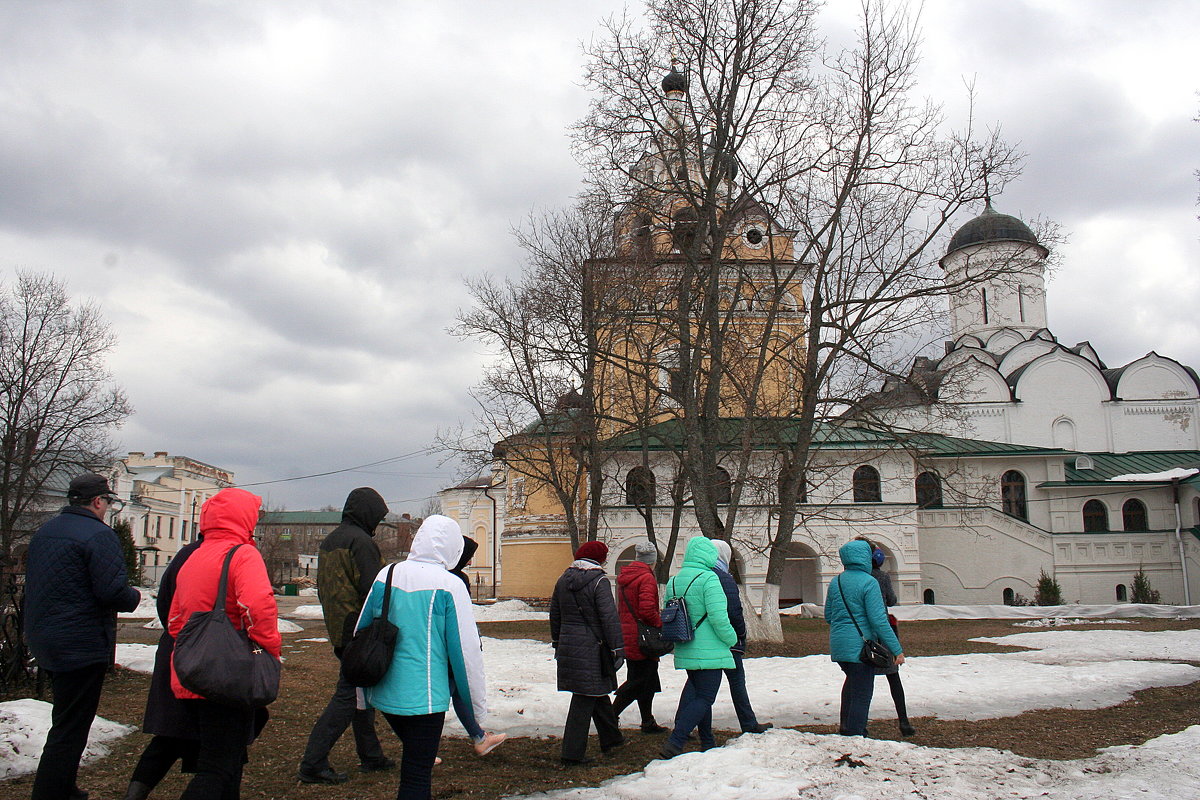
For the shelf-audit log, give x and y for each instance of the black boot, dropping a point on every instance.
(906, 728)
(137, 791)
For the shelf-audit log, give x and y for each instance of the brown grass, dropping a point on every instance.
(525, 765)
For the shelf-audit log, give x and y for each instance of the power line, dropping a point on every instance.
(422, 452)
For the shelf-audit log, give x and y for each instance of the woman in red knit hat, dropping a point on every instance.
(586, 633)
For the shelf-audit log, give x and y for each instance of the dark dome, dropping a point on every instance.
(991, 226)
(674, 82)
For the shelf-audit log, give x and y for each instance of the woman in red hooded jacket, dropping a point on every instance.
(637, 599)
(226, 521)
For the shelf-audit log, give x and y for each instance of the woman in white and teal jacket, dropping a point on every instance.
(438, 643)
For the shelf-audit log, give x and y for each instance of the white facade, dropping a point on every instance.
(163, 495)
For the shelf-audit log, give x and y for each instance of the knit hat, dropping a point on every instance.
(878, 557)
(646, 553)
(724, 551)
(593, 551)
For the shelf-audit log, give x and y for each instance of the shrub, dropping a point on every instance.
(1021, 600)
(1049, 593)
(133, 567)
(1142, 591)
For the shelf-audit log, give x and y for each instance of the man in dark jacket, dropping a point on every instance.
(736, 676)
(75, 582)
(589, 649)
(347, 565)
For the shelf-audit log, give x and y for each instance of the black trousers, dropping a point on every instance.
(586, 709)
(420, 734)
(224, 732)
(640, 686)
(76, 698)
(160, 755)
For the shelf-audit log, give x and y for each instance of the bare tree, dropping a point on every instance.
(855, 183)
(537, 400)
(58, 403)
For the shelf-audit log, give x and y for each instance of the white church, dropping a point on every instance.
(1027, 456)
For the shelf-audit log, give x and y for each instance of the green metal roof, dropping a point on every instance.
(301, 518)
(772, 432)
(1109, 465)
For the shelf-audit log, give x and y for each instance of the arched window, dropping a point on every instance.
(1122, 593)
(866, 485)
(1009, 596)
(928, 597)
(1133, 516)
(1095, 517)
(722, 490)
(640, 488)
(1012, 495)
(929, 490)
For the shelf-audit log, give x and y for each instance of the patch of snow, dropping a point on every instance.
(786, 765)
(23, 728)
(1178, 473)
(1058, 622)
(306, 612)
(287, 626)
(507, 611)
(137, 657)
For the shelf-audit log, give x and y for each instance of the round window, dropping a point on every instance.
(754, 237)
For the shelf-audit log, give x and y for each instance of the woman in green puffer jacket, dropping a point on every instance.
(706, 655)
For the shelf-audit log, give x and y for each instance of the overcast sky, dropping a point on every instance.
(276, 203)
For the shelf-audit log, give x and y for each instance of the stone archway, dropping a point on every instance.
(801, 576)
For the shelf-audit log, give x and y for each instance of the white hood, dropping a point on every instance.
(439, 540)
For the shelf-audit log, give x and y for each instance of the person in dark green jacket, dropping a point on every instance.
(705, 656)
(854, 604)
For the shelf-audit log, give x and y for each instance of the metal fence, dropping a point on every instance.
(17, 672)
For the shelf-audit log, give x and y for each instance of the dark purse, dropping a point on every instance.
(367, 657)
(873, 653)
(221, 663)
(649, 638)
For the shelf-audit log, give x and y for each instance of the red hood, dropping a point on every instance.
(230, 514)
(633, 571)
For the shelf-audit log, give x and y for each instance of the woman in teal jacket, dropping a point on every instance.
(706, 655)
(856, 592)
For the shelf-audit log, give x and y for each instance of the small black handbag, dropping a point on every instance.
(650, 640)
(873, 653)
(221, 663)
(367, 657)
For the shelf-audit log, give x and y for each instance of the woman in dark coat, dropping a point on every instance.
(586, 634)
(892, 672)
(175, 737)
(637, 600)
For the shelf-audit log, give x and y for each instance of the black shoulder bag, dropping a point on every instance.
(873, 653)
(367, 657)
(221, 663)
(649, 639)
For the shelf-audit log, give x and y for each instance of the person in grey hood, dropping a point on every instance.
(589, 649)
(346, 567)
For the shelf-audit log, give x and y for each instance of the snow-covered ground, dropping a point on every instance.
(504, 611)
(1090, 668)
(1122, 610)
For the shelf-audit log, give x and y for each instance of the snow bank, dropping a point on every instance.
(786, 765)
(916, 612)
(23, 728)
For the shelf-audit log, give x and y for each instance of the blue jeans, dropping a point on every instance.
(737, 692)
(695, 707)
(856, 697)
(420, 734)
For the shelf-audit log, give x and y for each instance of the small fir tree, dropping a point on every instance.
(1143, 592)
(1049, 593)
(133, 568)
